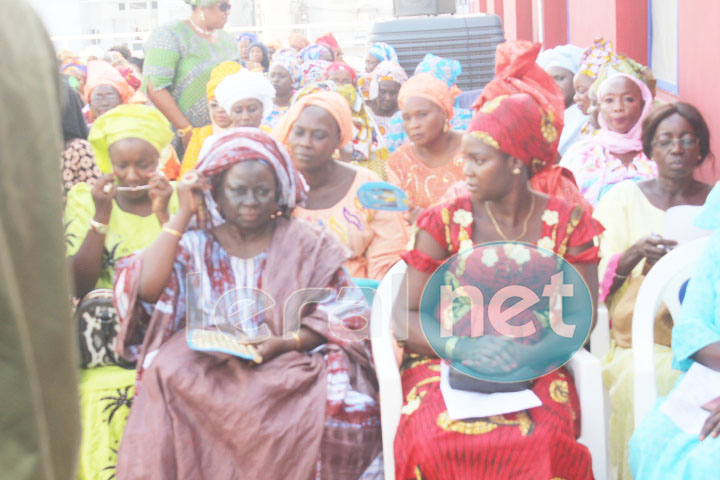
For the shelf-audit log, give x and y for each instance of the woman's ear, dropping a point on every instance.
(516, 166)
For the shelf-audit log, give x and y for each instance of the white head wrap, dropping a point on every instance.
(565, 56)
(243, 85)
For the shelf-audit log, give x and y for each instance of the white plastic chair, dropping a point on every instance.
(662, 284)
(584, 367)
(600, 336)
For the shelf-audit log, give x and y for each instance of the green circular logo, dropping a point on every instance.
(506, 311)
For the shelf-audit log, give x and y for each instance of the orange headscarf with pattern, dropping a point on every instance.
(426, 86)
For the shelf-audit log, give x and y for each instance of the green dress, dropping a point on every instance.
(180, 60)
(105, 392)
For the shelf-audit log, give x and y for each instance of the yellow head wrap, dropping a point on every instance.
(219, 73)
(128, 121)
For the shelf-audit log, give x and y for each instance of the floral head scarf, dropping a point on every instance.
(445, 69)
(313, 71)
(383, 52)
(386, 71)
(287, 58)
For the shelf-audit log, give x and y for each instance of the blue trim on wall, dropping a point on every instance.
(667, 86)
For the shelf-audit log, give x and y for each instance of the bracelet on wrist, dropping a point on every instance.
(184, 131)
(172, 231)
(298, 342)
(97, 227)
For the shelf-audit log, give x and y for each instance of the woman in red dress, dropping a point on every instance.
(511, 138)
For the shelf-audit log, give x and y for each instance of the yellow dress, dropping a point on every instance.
(627, 216)
(106, 393)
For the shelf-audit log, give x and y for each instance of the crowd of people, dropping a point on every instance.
(221, 171)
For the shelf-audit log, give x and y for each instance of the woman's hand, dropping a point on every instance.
(190, 189)
(653, 247)
(489, 354)
(272, 347)
(160, 193)
(711, 428)
(103, 193)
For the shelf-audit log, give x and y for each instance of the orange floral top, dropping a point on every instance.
(424, 185)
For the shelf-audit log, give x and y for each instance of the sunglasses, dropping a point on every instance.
(224, 6)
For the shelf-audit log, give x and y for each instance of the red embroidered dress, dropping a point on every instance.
(539, 443)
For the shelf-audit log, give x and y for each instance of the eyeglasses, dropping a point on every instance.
(224, 6)
(686, 142)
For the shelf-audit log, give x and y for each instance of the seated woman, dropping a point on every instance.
(105, 89)
(427, 165)
(509, 140)
(659, 448)
(448, 70)
(562, 63)
(385, 83)
(258, 58)
(316, 126)
(615, 153)
(285, 77)
(219, 117)
(676, 137)
(111, 219)
(308, 407)
(247, 97)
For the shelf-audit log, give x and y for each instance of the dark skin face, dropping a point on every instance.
(281, 81)
(104, 98)
(215, 18)
(134, 161)
(621, 104)
(423, 120)
(218, 114)
(247, 113)
(681, 156)
(386, 102)
(256, 55)
(371, 61)
(488, 173)
(247, 196)
(244, 48)
(564, 79)
(314, 137)
(582, 84)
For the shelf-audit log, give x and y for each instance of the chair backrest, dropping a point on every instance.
(386, 366)
(662, 284)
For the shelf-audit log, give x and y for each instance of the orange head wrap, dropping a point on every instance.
(332, 102)
(426, 86)
(219, 73)
(102, 73)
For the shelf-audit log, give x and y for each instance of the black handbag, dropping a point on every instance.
(461, 381)
(98, 328)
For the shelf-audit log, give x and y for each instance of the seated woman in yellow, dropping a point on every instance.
(120, 214)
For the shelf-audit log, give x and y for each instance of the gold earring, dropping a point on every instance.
(446, 127)
(336, 154)
(277, 214)
(516, 171)
(202, 16)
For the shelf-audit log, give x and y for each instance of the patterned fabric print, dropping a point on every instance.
(430, 444)
(272, 119)
(396, 136)
(445, 69)
(181, 61)
(597, 170)
(375, 237)
(203, 265)
(77, 164)
(424, 185)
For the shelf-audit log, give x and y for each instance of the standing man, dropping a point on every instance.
(38, 388)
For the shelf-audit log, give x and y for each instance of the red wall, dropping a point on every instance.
(698, 37)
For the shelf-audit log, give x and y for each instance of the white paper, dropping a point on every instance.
(683, 406)
(680, 224)
(461, 404)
